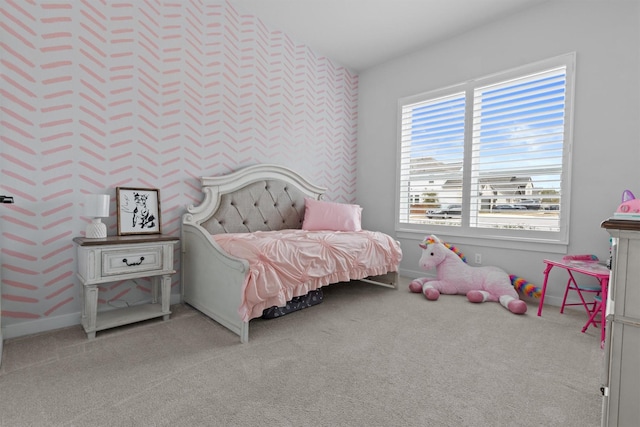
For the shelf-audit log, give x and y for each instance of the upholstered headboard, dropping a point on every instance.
(260, 206)
(257, 198)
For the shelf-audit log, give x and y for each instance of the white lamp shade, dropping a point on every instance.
(97, 205)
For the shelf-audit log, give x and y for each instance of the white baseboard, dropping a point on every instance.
(414, 274)
(64, 321)
(40, 325)
(50, 323)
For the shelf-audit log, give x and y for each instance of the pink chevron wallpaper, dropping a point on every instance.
(97, 94)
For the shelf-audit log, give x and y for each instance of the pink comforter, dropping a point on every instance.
(288, 263)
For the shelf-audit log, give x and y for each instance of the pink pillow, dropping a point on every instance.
(319, 215)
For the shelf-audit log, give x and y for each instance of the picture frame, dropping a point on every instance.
(138, 210)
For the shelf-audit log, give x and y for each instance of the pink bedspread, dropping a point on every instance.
(288, 263)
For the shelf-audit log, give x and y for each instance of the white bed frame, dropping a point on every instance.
(212, 279)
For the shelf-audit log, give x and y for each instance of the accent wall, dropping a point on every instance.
(149, 94)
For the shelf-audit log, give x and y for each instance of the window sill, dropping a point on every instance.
(502, 242)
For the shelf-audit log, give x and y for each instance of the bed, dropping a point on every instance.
(248, 247)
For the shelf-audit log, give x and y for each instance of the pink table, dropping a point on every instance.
(589, 268)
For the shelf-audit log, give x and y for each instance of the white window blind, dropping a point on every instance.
(432, 153)
(491, 154)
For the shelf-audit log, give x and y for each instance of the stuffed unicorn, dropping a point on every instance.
(479, 284)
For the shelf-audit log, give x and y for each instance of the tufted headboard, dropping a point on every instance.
(260, 206)
(257, 198)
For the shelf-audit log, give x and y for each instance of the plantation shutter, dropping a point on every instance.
(518, 139)
(431, 155)
(490, 157)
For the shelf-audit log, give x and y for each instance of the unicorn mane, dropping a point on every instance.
(429, 240)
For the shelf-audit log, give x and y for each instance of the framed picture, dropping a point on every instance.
(138, 210)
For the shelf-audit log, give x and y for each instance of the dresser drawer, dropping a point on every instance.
(132, 260)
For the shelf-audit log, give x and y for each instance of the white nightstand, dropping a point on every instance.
(121, 258)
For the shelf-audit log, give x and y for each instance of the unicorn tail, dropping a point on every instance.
(524, 287)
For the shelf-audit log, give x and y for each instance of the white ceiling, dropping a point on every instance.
(362, 33)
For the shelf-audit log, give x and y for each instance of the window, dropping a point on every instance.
(496, 148)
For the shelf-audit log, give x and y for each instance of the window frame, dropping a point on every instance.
(550, 241)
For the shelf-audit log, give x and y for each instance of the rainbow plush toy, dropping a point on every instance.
(479, 284)
(524, 287)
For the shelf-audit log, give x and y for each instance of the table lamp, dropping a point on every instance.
(96, 206)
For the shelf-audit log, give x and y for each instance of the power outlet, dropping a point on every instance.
(478, 258)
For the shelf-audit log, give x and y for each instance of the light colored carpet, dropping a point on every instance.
(366, 356)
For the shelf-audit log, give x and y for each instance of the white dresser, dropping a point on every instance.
(621, 385)
(116, 258)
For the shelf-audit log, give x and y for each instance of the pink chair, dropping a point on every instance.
(581, 290)
(594, 314)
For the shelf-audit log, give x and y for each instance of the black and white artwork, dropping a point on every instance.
(138, 210)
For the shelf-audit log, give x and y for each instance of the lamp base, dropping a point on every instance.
(96, 229)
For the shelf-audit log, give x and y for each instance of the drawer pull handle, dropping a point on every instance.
(133, 263)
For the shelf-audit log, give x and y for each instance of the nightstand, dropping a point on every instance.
(117, 258)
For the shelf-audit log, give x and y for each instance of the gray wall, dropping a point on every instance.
(605, 36)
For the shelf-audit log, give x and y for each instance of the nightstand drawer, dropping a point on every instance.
(125, 261)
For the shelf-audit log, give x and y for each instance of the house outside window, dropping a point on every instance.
(495, 151)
